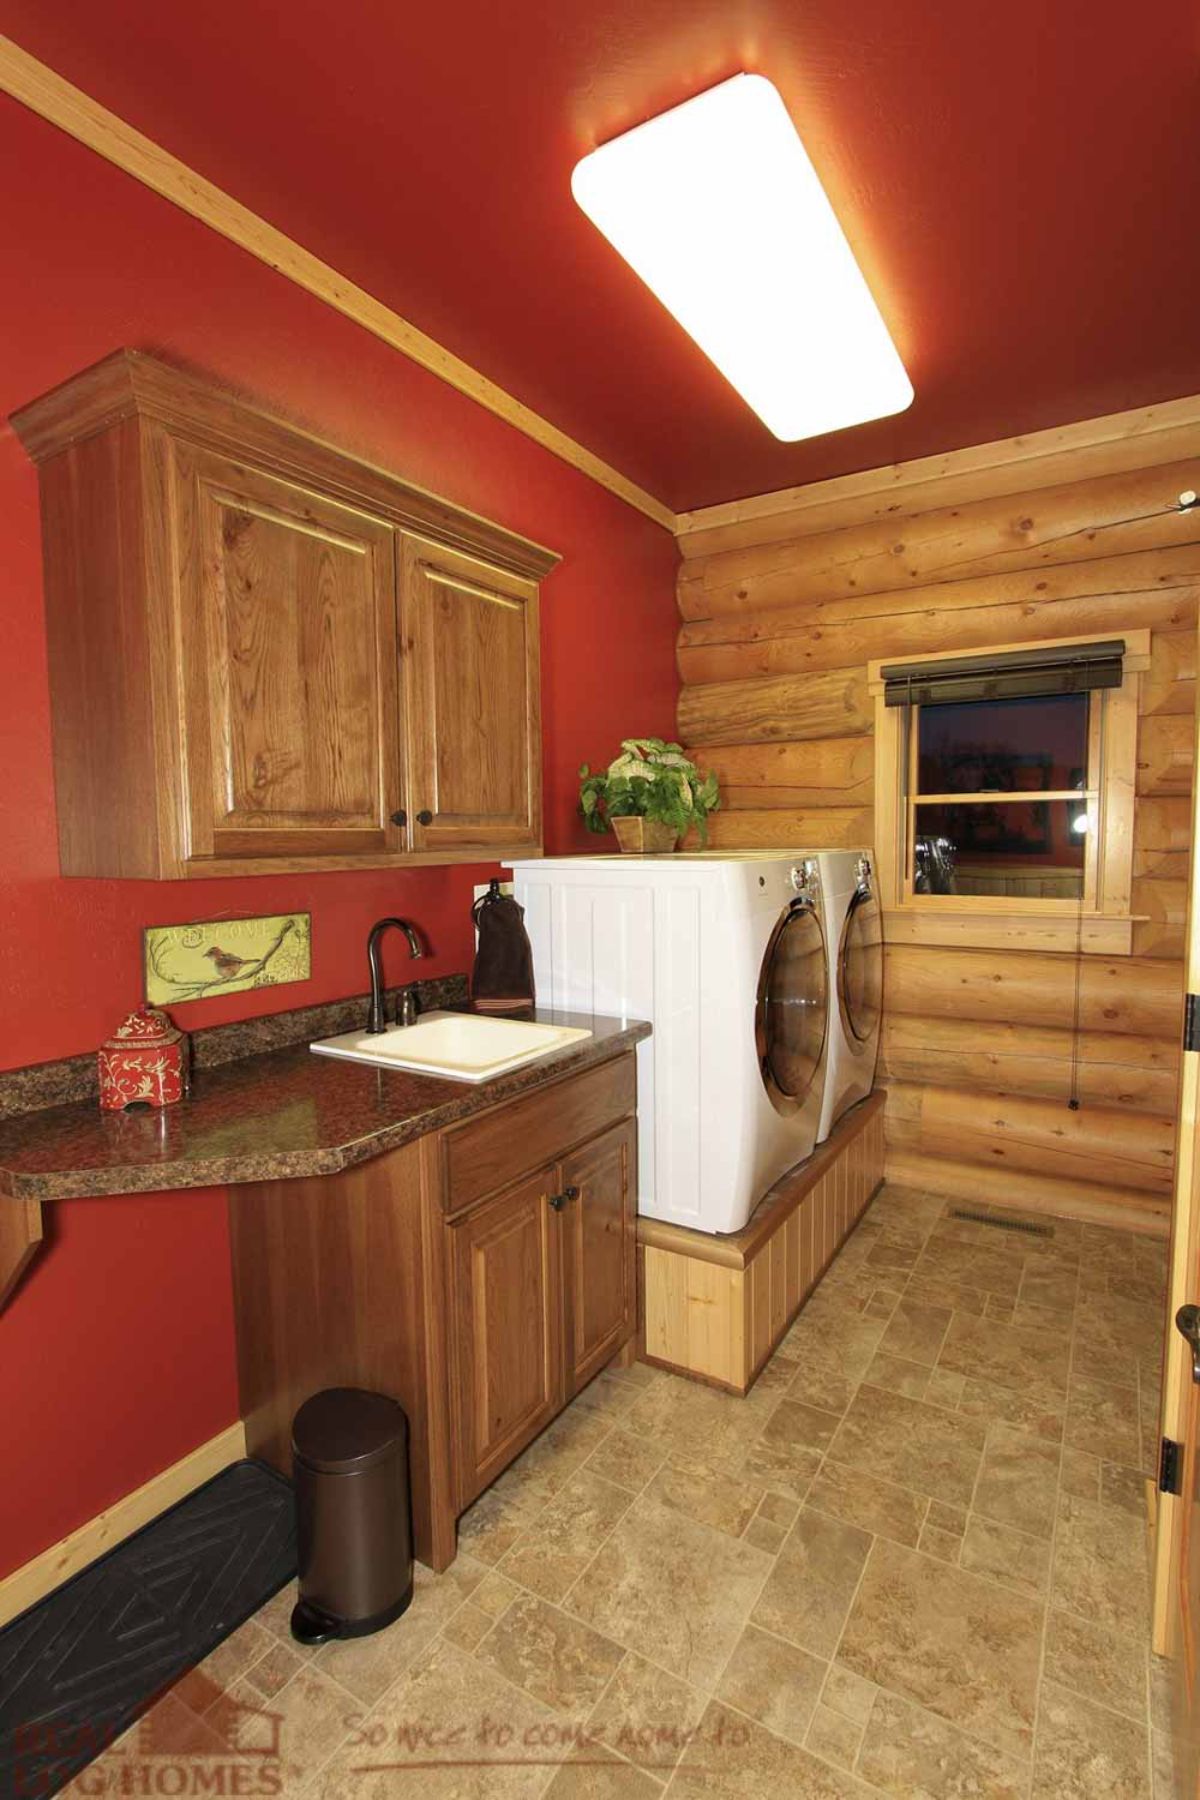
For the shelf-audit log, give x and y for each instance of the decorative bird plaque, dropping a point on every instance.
(225, 956)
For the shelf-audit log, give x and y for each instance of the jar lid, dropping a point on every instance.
(342, 1431)
(145, 1028)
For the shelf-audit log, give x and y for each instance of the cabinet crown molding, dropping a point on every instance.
(131, 383)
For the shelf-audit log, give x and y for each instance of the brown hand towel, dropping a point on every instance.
(503, 978)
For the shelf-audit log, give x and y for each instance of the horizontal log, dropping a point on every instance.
(1159, 590)
(832, 704)
(815, 828)
(1169, 684)
(1162, 865)
(1164, 824)
(1134, 1073)
(1166, 754)
(1078, 522)
(1027, 987)
(820, 772)
(1141, 439)
(1040, 1136)
(1053, 1197)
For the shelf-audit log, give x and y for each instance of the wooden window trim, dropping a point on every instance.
(979, 921)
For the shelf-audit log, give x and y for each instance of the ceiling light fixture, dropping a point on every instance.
(718, 209)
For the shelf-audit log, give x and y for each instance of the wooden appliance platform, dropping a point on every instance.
(716, 1307)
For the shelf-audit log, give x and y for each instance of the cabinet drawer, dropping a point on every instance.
(488, 1153)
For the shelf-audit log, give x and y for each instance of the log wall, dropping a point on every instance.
(781, 615)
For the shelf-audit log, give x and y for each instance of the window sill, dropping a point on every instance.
(1000, 929)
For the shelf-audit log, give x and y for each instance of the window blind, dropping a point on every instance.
(1015, 675)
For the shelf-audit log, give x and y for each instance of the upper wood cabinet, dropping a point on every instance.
(474, 734)
(265, 654)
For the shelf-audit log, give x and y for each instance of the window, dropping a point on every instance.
(1004, 793)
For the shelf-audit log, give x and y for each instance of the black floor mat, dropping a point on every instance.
(85, 1662)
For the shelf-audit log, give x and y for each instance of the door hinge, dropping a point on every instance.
(1168, 1467)
(1191, 1022)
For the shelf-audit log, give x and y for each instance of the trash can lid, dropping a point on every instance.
(344, 1430)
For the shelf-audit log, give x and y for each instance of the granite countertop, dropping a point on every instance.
(264, 1118)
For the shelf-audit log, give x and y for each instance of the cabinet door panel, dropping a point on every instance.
(472, 701)
(289, 649)
(600, 1222)
(505, 1345)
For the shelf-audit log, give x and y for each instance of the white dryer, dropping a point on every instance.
(725, 955)
(853, 933)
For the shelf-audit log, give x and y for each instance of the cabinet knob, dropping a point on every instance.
(400, 817)
(424, 817)
(557, 1201)
(571, 1193)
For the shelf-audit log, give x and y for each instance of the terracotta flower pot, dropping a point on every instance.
(644, 837)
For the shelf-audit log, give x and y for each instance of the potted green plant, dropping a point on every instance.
(651, 795)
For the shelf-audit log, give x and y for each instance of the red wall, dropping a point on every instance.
(116, 1355)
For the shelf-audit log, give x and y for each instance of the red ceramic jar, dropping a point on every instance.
(143, 1063)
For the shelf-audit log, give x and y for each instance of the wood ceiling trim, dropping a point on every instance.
(1119, 442)
(53, 98)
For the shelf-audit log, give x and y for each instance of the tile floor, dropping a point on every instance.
(911, 1563)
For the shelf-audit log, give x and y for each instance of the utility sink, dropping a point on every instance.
(457, 1046)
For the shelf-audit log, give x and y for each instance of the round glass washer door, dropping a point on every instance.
(791, 1014)
(860, 969)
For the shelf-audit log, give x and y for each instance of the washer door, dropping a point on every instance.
(792, 1010)
(860, 970)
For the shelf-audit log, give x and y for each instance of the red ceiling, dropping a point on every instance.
(1021, 182)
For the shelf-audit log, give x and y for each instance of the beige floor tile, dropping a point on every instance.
(896, 1376)
(726, 1502)
(647, 1715)
(1084, 1751)
(1080, 1473)
(1033, 1408)
(548, 1464)
(1018, 1481)
(475, 1618)
(929, 1290)
(847, 1693)
(878, 1506)
(945, 1263)
(1099, 1570)
(784, 1469)
(1016, 1356)
(952, 1519)
(599, 1775)
(910, 1443)
(1054, 1288)
(1104, 1419)
(491, 1527)
(810, 1589)
(733, 1758)
(945, 1545)
(275, 1669)
(1162, 1767)
(953, 1642)
(314, 1715)
(1007, 1555)
(698, 1428)
(560, 1543)
(834, 1737)
(676, 1591)
(626, 1460)
(773, 1682)
(452, 1729)
(557, 1658)
(1098, 1663)
(912, 1754)
(1124, 1488)
(916, 1331)
(366, 1667)
(232, 1659)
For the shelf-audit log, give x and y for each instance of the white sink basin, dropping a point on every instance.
(458, 1046)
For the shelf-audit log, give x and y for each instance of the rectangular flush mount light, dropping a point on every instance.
(718, 209)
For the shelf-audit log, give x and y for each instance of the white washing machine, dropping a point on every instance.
(853, 933)
(725, 955)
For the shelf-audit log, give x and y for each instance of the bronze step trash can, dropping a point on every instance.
(353, 1523)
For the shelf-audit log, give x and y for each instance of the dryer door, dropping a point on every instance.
(792, 1011)
(860, 970)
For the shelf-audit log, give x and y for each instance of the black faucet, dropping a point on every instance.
(376, 1019)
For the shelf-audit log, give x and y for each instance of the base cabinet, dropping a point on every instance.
(481, 1276)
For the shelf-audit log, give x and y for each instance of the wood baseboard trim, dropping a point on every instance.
(1120, 1209)
(61, 103)
(84, 1546)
